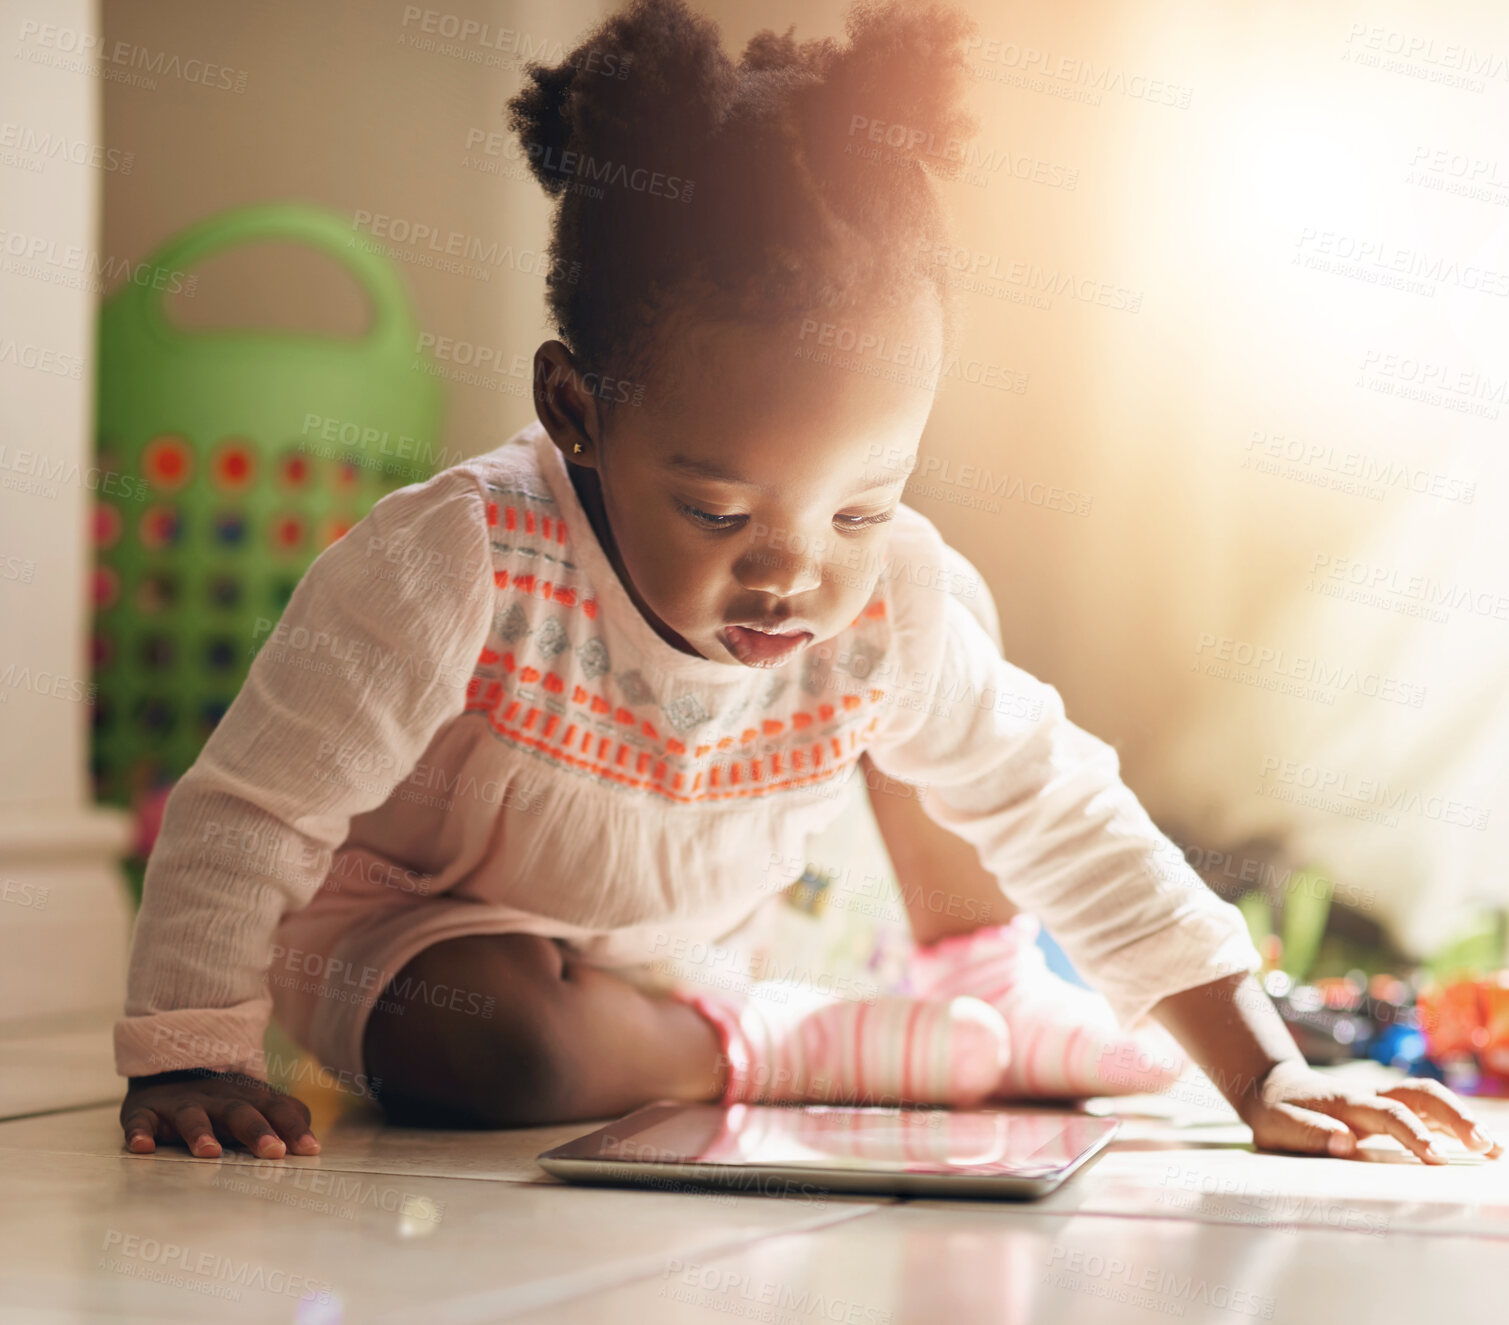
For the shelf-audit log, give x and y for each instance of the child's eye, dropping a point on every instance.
(861, 521)
(707, 519)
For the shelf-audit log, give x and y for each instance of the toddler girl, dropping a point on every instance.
(584, 697)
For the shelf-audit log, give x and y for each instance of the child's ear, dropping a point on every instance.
(565, 405)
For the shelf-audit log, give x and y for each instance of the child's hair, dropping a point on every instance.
(792, 181)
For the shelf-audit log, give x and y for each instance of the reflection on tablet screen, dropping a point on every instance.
(893, 1140)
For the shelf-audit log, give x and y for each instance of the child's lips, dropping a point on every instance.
(761, 648)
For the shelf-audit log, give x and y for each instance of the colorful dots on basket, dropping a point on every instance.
(159, 652)
(347, 476)
(156, 593)
(219, 653)
(335, 528)
(223, 591)
(234, 468)
(105, 587)
(230, 528)
(155, 715)
(102, 713)
(101, 653)
(167, 462)
(107, 525)
(295, 469)
(282, 591)
(286, 532)
(210, 713)
(161, 526)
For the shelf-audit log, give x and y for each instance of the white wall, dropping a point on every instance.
(63, 905)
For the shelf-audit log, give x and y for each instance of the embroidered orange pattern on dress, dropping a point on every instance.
(668, 768)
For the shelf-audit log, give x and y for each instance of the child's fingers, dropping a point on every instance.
(292, 1122)
(1390, 1118)
(193, 1126)
(1432, 1101)
(1290, 1127)
(140, 1127)
(244, 1121)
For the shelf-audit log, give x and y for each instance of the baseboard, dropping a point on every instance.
(65, 911)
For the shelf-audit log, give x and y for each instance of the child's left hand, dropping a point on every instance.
(1298, 1109)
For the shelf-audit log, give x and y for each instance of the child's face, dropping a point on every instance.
(749, 516)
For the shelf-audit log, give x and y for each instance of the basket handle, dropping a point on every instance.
(393, 326)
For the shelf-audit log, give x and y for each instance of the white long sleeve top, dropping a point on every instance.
(462, 686)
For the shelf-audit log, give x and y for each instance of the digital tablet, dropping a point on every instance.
(782, 1150)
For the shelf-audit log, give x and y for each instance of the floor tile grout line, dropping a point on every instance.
(541, 1180)
(272, 1163)
(533, 1181)
(184, 1158)
(50, 1113)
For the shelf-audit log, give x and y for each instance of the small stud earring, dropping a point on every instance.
(576, 448)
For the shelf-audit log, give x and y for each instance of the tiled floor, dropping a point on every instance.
(1179, 1220)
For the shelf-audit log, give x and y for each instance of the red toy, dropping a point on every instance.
(1469, 1019)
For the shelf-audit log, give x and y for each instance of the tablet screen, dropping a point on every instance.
(1021, 1143)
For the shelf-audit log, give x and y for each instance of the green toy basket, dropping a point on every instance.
(228, 460)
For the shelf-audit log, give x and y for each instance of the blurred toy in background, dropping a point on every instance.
(1466, 1028)
(1347, 992)
(1353, 1016)
(231, 459)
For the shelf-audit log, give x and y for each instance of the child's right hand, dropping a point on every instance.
(198, 1108)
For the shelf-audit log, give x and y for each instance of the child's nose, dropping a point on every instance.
(779, 571)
